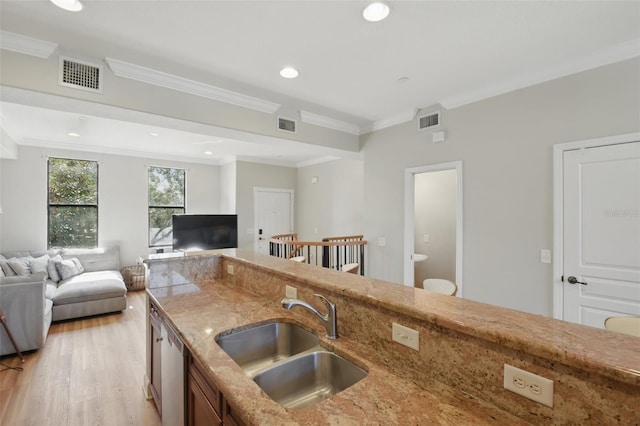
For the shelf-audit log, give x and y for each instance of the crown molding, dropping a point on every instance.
(391, 121)
(174, 82)
(616, 53)
(26, 45)
(329, 123)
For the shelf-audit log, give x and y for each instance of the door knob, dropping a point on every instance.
(574, 280)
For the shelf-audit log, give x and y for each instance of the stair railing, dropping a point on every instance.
(331, 252)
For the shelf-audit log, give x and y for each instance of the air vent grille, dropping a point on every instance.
(286, 125)
(80, 75)
(428, 121)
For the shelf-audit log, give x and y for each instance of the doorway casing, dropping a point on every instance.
(409, 218)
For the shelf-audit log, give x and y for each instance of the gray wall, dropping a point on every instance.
(435, 215)
(251, 175)
(505, 144)
(332, 206)
(122, 198)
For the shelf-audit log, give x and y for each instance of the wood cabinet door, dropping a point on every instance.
(204, 401)
(200, 411)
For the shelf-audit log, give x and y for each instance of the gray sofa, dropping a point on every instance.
(37, 294)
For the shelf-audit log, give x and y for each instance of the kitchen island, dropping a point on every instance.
(456, 377)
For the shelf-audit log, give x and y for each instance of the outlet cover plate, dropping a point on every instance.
(290, 292)
(405, 336)
(529, 385)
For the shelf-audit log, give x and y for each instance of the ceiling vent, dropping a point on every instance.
(80, 75)
(286, 125)
(429, 121)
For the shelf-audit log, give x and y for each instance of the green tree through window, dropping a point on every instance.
(166, 198)
(73, 203)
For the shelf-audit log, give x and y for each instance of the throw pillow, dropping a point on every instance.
(21, 265)
(39, 264)
(69, 268)
(52, 269)
(6, 269)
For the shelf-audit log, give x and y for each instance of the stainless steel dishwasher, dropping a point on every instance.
(173, 368)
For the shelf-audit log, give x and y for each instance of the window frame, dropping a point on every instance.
(49, 204)
(167, 207)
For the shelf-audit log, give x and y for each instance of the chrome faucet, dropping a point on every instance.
(329, 319)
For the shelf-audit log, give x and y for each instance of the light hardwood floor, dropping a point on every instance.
(90, 372)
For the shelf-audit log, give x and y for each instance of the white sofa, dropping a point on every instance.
(31, 301)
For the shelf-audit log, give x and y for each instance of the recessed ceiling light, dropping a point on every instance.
(154, 134)
(289, 72)
(403, 79)
(82, 117)
(73, 134)
(70, 5)
(376, 11)
(208, 153)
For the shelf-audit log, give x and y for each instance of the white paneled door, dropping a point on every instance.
(273, 215)
(601, 271)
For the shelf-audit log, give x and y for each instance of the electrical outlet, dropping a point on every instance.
(529, 385)
(291, 292)
(405, 336)
(230, 269)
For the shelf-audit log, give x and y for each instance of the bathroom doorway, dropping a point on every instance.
(433, 224)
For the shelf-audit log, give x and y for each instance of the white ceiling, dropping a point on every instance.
(453, 52)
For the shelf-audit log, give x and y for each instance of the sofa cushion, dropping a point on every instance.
(32, 253)
(50, 290)
(69, 268)
(39, 264)
(52, 268)
(98, 259)
(21, 265)
(90, 286)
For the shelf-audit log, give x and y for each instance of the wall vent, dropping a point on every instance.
(429, 121)
(286, 125)
(80, 75)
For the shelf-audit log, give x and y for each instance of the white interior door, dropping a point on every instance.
(273, 215)
(601, 270)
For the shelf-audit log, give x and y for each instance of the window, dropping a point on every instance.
(166, 198)
(73, 203)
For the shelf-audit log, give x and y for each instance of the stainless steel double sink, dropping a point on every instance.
(289, 364)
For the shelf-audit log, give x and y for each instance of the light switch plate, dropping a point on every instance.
(529, 385)
(405, 336)
(382, 241)
(545, 256)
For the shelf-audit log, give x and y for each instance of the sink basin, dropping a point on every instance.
(308, 379)
(419, 257)
(256, 348)
(289, 364)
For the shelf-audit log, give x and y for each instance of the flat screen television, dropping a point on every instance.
(204, 231)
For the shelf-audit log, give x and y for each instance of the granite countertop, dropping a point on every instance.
(199, 311)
